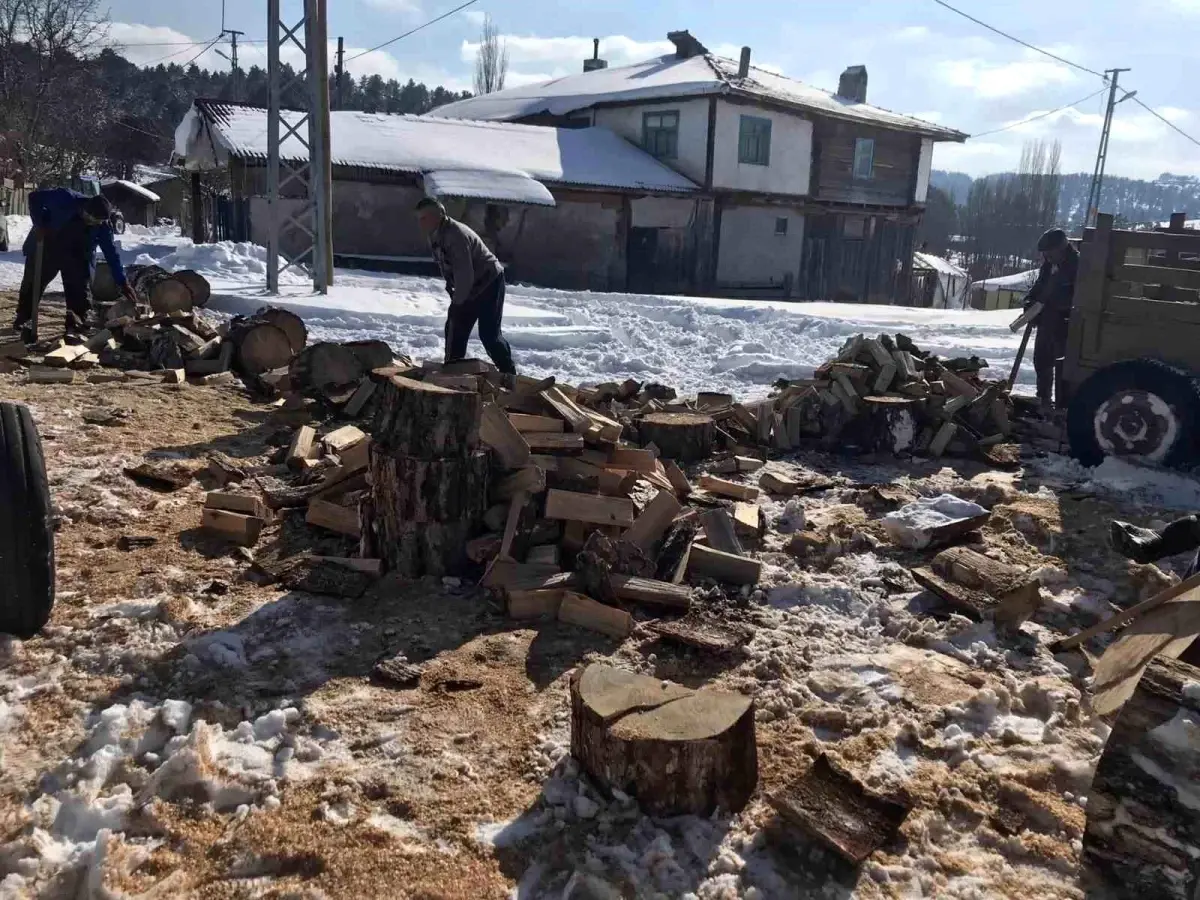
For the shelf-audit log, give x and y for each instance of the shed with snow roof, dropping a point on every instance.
(555, 204)
(816, 194)
(138, 204)
(938, 283)
(1004, 291)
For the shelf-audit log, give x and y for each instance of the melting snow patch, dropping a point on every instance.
(910, 525)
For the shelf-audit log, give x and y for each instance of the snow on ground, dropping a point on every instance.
(690, 343)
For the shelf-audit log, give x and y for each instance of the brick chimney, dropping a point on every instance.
(686, 46)
(852, 85)
(744, 63)
(591, 65)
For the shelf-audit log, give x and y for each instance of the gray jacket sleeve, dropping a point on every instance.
(458, 252)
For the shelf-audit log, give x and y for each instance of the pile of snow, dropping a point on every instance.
(1147, 485)
(910, 526)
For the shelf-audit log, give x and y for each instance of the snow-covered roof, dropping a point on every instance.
(937, 264)
(134, 188)
(671, 77)
(150, 174)
(490, 160)
(1022, 281)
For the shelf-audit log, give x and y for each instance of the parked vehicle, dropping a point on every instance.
(117, 221)
(26, 526)
(1132, 370)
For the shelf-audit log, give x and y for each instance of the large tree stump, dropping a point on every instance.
(287, 322)
(414, 418)
(197, 284)
(325, 370)
(1143, 815)
(889, 425)
(447, 489)
(676, 750)
(260, 346)
(684, 437)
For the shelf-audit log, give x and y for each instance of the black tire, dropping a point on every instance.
(1172, 441)
(26, 526)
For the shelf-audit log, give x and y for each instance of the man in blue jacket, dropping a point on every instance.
(70, 227)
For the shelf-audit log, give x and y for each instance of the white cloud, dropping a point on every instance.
(404, 6)
(911, 33)
(474, 16)
(992, 80)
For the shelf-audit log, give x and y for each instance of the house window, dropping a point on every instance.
(781, 225)
(660, 134)
(754, 141)
(864, 158)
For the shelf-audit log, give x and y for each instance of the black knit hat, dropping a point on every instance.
(1054, 239)
(98, 207)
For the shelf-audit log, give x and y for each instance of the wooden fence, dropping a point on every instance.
(1137, 295)
(14, 198)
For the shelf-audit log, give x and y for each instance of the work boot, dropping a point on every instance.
(1144, 545)
(29, 335)
(76, 330)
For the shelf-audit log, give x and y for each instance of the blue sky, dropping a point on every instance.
(921, 58)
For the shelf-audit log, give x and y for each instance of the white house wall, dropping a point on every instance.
(924, 168)
(790, 157)
(751, 252)
(693, 131)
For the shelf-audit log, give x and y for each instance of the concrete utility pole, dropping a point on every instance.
(1093, 204)
(307, 231)
(339, 74)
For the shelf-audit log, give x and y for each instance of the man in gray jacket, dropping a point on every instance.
(475, 282)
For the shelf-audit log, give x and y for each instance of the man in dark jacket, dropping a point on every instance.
(475, 282)
(70, 227)
(1055, 290)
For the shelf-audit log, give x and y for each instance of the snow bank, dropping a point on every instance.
(1151, 486)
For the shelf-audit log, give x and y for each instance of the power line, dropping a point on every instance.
(1039, 116)
(163, 59)
(1166, 121)
(1005, 34)
(445, 15)
(207, 47)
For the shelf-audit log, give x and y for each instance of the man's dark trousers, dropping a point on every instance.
(1049, 348)
(68, 252)
(486, 308)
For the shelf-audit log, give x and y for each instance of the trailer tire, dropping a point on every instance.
(1140, 408)
(26, 526)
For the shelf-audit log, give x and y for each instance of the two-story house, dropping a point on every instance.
(813, 195)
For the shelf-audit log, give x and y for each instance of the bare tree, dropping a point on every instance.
(52, 110)
(491, 59)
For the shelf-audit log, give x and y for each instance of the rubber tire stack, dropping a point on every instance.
(26, 526)
(1176, 387)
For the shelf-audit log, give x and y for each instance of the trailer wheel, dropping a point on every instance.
(1139, 409)
(26, 527)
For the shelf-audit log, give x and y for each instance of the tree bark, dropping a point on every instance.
(678, 751)
(1143, 831)
(261, 346)
(449, 489)
(889, 426)
(683, 437)
(413, 418)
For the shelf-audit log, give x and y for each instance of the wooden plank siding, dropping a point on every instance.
(897, 155)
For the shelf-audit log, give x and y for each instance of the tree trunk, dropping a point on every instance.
(1143, 831)
(414, 549)
(196, 283)
(678, 751)
(325, 369)
(889, 426)
(413, 418)
(261, 347)
(683, 437)
(287, 322)
(450, 489)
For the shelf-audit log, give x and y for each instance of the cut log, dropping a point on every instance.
(342, 439)
(529, 480)
(291, 325)
(246, 504)
(725, 488)
(196, 284)
(973, 603)
(535, 604)
(155, 288)
(890, 425)
(325, 370)
(576, 609)
(241, 529)
(501, 435)
(679, 436)
(651, 592)
(261, 346)
(527, 424)
(413, 418)
(773, 483)
(678, 480)
(104, 286)
(301, 447)
(332, 517)
(411, 490)
(572, 414)
(371, 355)
(831, 806)
(631, 459)
(360, 398)
(547, 442)
(571, 506)
(1142, 837)
(652, 523)
(678, 751)
(1026, 317)
(224, 470)
(1016, 593)
(719, 529)
(725, 567)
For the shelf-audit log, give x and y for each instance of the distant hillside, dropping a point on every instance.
(1132, 200)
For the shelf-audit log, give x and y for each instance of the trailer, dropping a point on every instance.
(1132, 369)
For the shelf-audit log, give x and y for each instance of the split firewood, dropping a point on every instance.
(529, 424)
(632, 459)
(655, 593)
(536, 604)
(672, 562)
(301, 447)
(498, 432)
(576, 609)
(530, 479)
(332, 517)
(360, 398)
(246, 504)
(719, 529)
(653, 522)
(237, 527)
(678, 480)
(725, 567)
(544, 554)
(747, 521)
(728, 488)
(63, 356)
(342, 439)
(548, 442)
(572, 506)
